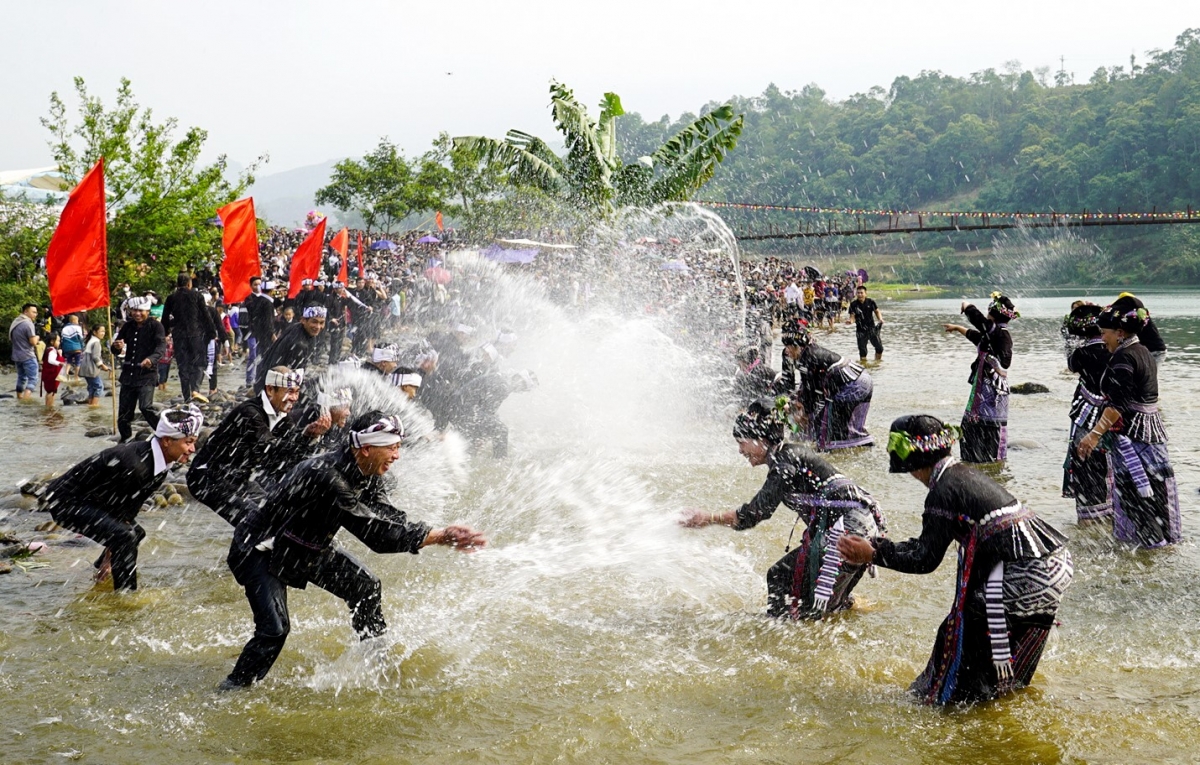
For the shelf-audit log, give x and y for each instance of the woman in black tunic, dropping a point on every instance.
(1144, 496)
(835, 392)
(985, 422)
(1012, 568)
(811, 580)
(1086, 479)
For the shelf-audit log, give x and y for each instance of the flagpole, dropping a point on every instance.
(112, 370)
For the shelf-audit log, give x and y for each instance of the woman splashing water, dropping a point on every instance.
(811, 580)
(1013, 568)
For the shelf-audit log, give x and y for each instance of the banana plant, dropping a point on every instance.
(590, 172)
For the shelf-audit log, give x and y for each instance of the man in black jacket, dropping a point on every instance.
(296, 346)
(143, 342)
(187, 320)
(101, 496)
(261, 309)
(245, 454)
(288, 542)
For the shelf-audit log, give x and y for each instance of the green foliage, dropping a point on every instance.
(159, 196)
(590, 175)
(21, 246)
(384, 188)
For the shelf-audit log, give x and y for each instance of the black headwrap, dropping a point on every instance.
(1081, 321)
(1126, 313)
(917, 441)
(1002, 309)
(759, 423)
(795, 333)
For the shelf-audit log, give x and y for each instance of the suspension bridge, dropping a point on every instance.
(844, 221)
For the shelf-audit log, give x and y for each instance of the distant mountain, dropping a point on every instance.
(284, 198)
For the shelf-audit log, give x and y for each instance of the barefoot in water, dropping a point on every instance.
(104, 570)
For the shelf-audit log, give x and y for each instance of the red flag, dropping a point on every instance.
(306, 263)
(439, 221)
(77, 258)
(341, 245)
(361, 271)
(240, 242)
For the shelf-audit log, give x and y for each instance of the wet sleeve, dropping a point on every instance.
(919, 555)
(976, 317)
(1118, 383)
(764, 503)
(385, 529)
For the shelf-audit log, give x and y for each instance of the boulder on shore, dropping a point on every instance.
(1025, 388)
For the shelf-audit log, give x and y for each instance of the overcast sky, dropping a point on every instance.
(307, 81)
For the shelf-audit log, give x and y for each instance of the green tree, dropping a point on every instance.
(160, 197)
(591, 174)
(385, 188)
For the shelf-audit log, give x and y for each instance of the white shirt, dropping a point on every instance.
(160, 461)
(273, 417)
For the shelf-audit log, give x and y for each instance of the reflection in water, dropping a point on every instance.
(596, 630)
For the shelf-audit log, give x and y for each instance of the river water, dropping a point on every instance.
(594, 629)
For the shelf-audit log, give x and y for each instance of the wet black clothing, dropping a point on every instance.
(1151, 339)
(335, 325)
(439, 389)
(185, 314)
(1144, 492)
(759, 382)
(988, 336)
(991, 527)
(262, 319)
(295, 349)
(303, 415)
(189, 322)
(821, 497)
(985, 421)
(101, 497)
(1087, 480)
(299, 520)
(475, 410)
(305, 298)
(142, 341)
(863, 313)
(242, 459)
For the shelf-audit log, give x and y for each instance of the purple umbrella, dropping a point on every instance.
(383, 244)
(429, 240)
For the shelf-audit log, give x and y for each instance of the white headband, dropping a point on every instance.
(335, 398)
(386, 432)
(401, 379)
(506, 338)
(315, 312)
(464, 329)
(306, 282)
(179, 423)
(490, 351)
(289, 379)
(384, 353)
(139, 303)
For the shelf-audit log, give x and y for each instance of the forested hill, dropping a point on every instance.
(1128, 138)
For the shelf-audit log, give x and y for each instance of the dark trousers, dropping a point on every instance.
(119, 537)
(336, 338)
(191, 357)
(134, 397)
(251, 359)
(872, 335)
(339, 574)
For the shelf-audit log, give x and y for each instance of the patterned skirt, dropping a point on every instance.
(1033, 590)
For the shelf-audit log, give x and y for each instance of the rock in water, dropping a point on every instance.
(100, 431)
(1026, 388)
